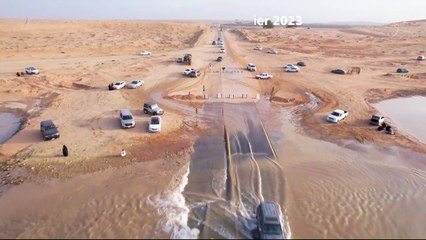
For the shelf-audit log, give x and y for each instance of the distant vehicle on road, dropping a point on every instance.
(402, 70)
(222, 50)
(291, 69)
(273, 51)
(258, 48)
(179, 60)
(126, 119)
(377, 119)
(268, 216)
(338, 71)
(337, 115)
(118, 85)
(219, 59)
(263, 76)
(152, 108)
(187, 71)
(49, 130)
(301, 63)
(154, 124)
(32, 70)
(135, 84)
(145, 53)
(421, 58)
(195, 73)
(251, 67)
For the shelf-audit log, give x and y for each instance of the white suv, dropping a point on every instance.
(126, 119)
(251, 67)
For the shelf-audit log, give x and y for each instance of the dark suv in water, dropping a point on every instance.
(268, 217)
(49, 130)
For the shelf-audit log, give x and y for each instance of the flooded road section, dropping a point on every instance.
(232, 170)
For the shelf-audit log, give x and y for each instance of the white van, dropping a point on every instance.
(126, 119)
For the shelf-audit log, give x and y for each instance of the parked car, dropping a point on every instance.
(291, 69)
(49, 130)
(263, 76)
(219, 59)
(288, 65)
(135, 84)
(145, 53)
(152, 108)
(268, 216)
(402, 70)
(337, 115)
(195, 73)
(187, 71)
(126, 119)
(154, 125)
(273, 51)
(179, 60)
(32, 70)
(118, 85)
(301, 63)
(214, 43)
(258, 48)
(251, 67)
(338, 71)
(377, 119)
(421, 58)
(222, 50)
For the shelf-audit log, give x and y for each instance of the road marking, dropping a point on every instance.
(267, 138)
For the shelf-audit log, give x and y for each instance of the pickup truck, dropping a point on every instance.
(263, 76)
(337, 115)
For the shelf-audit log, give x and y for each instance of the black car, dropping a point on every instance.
(338, 71)
(219, 59)
(195, 73)
(402, 70)
(49, 130)
(301, 64)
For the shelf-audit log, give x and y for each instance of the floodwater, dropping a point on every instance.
(409, 114)
(350, 190)
(9, 125)
(232, 170)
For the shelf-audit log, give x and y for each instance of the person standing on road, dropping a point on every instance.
(65, 151)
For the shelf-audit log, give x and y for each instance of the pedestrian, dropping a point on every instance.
(65, 151)
(122, 153)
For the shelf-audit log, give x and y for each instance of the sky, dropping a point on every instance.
(311, 11)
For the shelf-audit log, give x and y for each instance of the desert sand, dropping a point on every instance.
(78, 59)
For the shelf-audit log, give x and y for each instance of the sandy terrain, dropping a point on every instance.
(377, 51)
(78, 59)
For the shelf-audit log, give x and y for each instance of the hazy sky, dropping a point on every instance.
(310, 10)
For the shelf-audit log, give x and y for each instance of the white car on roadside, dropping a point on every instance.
(291, 69)
(337, 115)
(135, 84)
(251, 67)
(187, 71)
(154, 125)
(32, 70)
(263, 76)
(258, 48)
(273, 51)
(119, 85)
(145, 53)
(222, 50)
